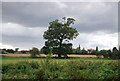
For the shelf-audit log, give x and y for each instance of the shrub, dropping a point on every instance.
(34, 52)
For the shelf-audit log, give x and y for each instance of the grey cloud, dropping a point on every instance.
(89, 17)
(22, 41)
(30, 14)
(92, 17)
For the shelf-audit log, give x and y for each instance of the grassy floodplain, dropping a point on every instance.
(53, 68)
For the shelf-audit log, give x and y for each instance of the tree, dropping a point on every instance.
(34, 51)
(10, 50)
(83, 51)
(45, 50)
(104, 53)
(66, 49)
(59, 31)
(115, 53)
(78, 50)
(114, 49)
(4, 51)
(96, 48)
(16, 50)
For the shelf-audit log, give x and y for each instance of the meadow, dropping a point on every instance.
(84, 68)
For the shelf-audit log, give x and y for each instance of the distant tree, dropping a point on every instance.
(58, 32)
(66, 49)
(83, 51)
(114, 49)
(34, 51)
(45, 50)
(115, 53)
(23, 52)
(119, 48)
(109, 53)
(10, 51)
(16, 50)
(78, 50)
(104, 53)
(4, 51)
(96, 48)
(93, 52)
(74, 51)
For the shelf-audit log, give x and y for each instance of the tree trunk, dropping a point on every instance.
(60, 46)
(59, 55)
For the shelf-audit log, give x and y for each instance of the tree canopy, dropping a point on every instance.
(59, 31)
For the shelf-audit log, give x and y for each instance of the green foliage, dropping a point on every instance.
(114, 54)
(83, 51)
(10, 51)
(104, 53)
(97, 53)
(69, 69)
(19, 70)
(34, 51)
(16, 50)
(96, 48)
(50, 54)
(66, 49)
(23, 52)
(45, 50)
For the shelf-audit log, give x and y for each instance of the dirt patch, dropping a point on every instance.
(43, 55)
(17, 55)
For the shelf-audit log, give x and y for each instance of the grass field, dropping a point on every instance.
(8, 59)
(53, 68)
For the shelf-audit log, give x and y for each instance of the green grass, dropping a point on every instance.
(8, 60)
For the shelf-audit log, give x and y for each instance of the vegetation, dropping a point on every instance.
(58, 32)
(67, 49)
(34, 52)
(13, 51)
(57, 38)
(50, 69)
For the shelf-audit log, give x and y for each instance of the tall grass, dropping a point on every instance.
(52, 69)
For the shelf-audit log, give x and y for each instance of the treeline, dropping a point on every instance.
(13, 51)
(114, 53)
(67, 49)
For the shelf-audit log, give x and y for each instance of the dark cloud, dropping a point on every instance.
(89, 16)
(30, 14)
(18, 17)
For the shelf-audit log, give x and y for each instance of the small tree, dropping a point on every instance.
(16, 50)
(104, 53)
(96, 48)
(45, 50)
(10, 51)
(34, 51)
(115, 53)
(78, 50)
(83, 51)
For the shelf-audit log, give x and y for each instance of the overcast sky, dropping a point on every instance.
(24, 23)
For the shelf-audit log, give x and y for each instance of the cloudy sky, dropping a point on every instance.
(24, 23)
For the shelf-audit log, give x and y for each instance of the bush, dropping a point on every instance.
(18, 70)
(34, 52)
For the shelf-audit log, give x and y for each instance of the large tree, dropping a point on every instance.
(59, 31)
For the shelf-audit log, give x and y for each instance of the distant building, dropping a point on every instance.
(91, 50)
